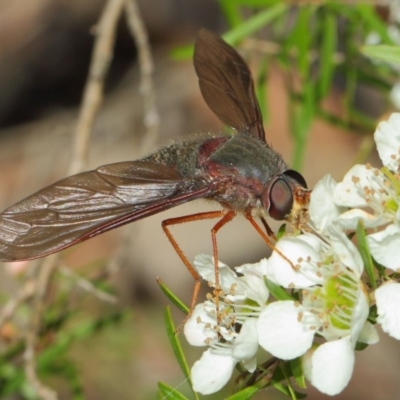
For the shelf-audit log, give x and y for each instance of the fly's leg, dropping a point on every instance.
(223, 221)
(269, 231)
(188, 265)
(267, 239)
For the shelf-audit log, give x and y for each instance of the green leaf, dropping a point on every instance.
(365, 253)
(360, 346)
(299, 41)
(244, 394)
(169, 393)
(327, 54)
(303, 41)
(173, 298)
(379, 77)
(350, 89)
(373, 314)
(366, 14)
(386, 53)
(231, 11)
(303, 121)
(297, 371)
(285, 390)
(255, 23)
(176, 346)
(287, 374)
(281, 232)
(277, 291)
(381, 269)
(245, 29)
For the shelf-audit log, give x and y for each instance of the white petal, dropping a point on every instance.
(250, 364)
(323, 210)
(301, 247)
(385, 245)
(349, 219)
(212, 372)
(282, 331)
(387, 301)
(259, 268)
(330, 366)
(369, 334)
(360, 314)
(204, 265)
(347, 193)
(197, 328)
(246, 343)
(252, 284)
(345, 249)
(387, 138)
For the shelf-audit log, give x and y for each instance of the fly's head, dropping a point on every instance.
(286, 197)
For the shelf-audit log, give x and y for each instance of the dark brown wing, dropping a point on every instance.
(85, 205)
(226, 84)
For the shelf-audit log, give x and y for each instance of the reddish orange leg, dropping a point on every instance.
(270, 232)
(189, 266)
(266, 238)
(223, 221)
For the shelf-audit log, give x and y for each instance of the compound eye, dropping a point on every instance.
(296, 177)
(280, 200)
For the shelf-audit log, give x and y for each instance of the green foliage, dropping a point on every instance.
(169, 393)
(389, 54)
(315, 45)
(277, 291)
(176, 345)
(63, 325)
(173, 298)
(365, 253)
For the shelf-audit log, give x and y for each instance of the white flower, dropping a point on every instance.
(387, 301)
(240, 301)
(286, 329)
(323, 210)
(387, 138)
(368, 193)
(329, 367)
(212, 372)
(384, 246)
(299, 273)
(333, 304)
(372, 194)
(214, 369)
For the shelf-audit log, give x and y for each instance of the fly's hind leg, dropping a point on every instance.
(229, 215)
(190, 218)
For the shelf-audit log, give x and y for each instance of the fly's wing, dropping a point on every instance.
(85, 205)
(226, 84)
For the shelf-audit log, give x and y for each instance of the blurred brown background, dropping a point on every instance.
(45, 49)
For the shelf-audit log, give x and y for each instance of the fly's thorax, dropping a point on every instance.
(248, 158)
(184, 155)
(253, 178)
(242, 167)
